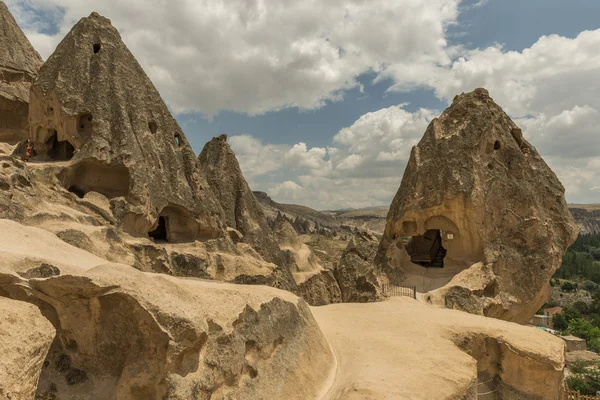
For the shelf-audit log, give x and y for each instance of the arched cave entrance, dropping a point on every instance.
(57, 150)
(160, 233)
(111, 180)
(430, 252)
(427, 250)
(175, 224)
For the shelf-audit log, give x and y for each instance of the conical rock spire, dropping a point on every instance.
(94, 105)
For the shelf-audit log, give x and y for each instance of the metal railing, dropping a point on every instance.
(399, 290)
(572, 395)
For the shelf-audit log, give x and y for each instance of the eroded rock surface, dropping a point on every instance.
(126, 334)
(93, 106)
(19, 64)
(242, 210)
(355, 272)
(25, 338)
(479, 217)
(316, 284)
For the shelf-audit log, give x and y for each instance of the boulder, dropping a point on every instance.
(480, 221)
(19, 64)
(355, 271)
(25, 338)
(94, 111)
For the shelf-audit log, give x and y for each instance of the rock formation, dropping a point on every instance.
(479, 218)
(25, 337)
(587, 218)
(19, 64)
(125, 334)
(93, 105)
(316, 284)
(242, 211)
(355, 272)
(110, 234)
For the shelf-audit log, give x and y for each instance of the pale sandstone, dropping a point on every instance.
(93, 106)
(125, 334)
(500, 211)
(355, 273)
(316, 284)
(25, 338)
(403, 349)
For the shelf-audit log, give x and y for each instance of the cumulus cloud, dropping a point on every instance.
(258, 56)
(255, 157)
(551, 89)
(363, 166)
(300, 156)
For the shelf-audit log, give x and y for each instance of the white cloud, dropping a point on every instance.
(298, 156)
(363, 168)
(254, 157)
(257, 56)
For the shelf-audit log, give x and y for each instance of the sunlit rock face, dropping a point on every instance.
(94, 109)
(19, 64)
(480, 221)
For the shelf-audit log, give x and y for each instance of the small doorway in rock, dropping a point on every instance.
(427, 250)
(160, 233)
(59, 150)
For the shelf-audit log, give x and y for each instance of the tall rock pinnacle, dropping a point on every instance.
(480, 222)
(93, 105)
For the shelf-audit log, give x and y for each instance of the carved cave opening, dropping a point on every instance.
(427, 250)
(58, 150)
(92, 176)
(160, 233)
(153, 127)
(175, 224)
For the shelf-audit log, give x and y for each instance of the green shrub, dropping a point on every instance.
(571, 313)
(568, 286)
(594, 345)
(590, 286)
(577, 384)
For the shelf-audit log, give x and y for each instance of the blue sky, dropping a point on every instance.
(322, 101)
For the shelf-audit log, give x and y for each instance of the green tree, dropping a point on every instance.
(559, 322)
(582, 307)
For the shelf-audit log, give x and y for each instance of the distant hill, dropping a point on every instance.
(371, 218)
(271, 208)
(587, 217)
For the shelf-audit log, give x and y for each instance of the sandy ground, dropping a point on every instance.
(403, 349)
